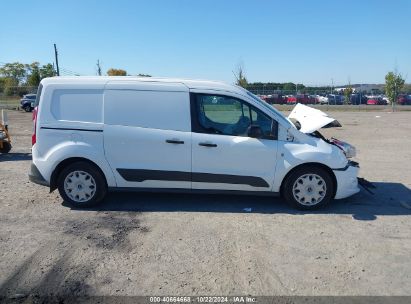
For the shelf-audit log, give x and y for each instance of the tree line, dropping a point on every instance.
(21, 78)
(16, 78)
(394, 85)
(120, 72)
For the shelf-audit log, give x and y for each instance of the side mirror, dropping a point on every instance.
(255, 131)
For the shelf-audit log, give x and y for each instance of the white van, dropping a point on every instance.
(95, 134)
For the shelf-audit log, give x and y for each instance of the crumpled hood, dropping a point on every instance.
(311, 119)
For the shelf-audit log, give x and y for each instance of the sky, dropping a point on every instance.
(313, 42)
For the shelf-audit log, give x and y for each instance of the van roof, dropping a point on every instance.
(190, 83)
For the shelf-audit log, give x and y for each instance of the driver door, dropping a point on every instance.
(224, 157)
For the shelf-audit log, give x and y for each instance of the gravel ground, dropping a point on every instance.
(163, 244)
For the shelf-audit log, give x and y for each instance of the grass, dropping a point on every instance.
(9, 102)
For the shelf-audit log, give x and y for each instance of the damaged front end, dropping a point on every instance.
(349, 150)
(309, 120)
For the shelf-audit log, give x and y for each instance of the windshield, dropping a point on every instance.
(267, 106)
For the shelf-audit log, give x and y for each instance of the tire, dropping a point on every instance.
(308, 188)
(27, 108)
(6, 147)
(82, 185)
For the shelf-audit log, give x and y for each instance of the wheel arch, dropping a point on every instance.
(311, 164)
(68, 161)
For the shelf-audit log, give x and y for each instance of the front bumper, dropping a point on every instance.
(347, 182)
(36, 177)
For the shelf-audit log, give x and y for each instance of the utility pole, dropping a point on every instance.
(395, 93)
(57, 59)
(98, 68)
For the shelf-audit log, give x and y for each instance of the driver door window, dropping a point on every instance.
(223, 115)
(229, 116)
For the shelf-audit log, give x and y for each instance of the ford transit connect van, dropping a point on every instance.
(96, 134)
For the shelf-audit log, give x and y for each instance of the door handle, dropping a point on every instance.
(174, 141)
(205, 144)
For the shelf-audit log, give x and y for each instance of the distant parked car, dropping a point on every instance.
(27, 102)
(334, 99)
(322, 99)
(385, 98)
(291, 99)
(357, 99)
(311, 99)
(275, 99)
(404, 99)
(301, 98)
(375, 100)
(314, 99)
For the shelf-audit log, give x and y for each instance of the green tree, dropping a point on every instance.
(116, 72)
(47, 70)
(15, 70)
(2, 84)
(393, 85)
(239, 74)
(407, 88)
(289, 87)
(33, 79)
(347, 93)
(10, 86)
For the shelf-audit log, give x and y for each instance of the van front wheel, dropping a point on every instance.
(308, 188)
(82, 185)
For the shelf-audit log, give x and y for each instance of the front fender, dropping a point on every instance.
(293, 154)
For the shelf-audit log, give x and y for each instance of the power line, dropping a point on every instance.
(69, 72)
(62, 73)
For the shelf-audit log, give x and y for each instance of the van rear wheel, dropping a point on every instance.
(82, 185)
(308, 188)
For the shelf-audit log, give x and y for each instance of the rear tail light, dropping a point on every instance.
(33, 136)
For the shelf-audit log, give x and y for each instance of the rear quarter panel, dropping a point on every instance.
(60, 136)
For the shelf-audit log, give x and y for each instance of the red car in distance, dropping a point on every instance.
(301, 98)
(274, 99)
(376, 100)
(404, 99)
(291, 99)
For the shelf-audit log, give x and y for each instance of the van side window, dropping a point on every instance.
(216, 114)
(82, 105)
(148, 109)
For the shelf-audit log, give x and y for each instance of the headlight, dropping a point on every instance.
(348, 149)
